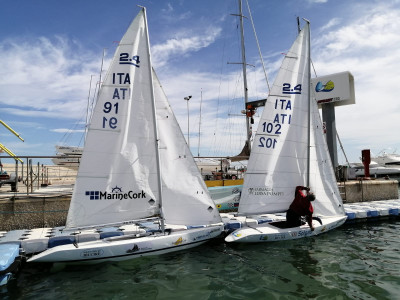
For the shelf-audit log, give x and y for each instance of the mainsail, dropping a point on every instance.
(119, 155)
(279, 160)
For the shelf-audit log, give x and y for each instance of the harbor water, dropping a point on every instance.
(355, 261)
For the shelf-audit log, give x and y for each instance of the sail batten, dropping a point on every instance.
(293, 57)
(280, 95)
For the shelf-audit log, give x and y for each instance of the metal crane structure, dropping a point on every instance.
(4, 148)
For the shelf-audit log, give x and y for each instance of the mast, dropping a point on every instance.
(153, 104)
(248, 132)
(101, 67)
(298, 25)
(96, 93)
(244, 64)
(309, 101)
(201, 101)
(88, 109)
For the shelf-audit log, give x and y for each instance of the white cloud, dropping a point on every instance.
(66, 130)
(30, 112)
(375, 33)
(167, 10)
(368, 48)
(183, 44)
(170, 14)
(333, 22)
(45, 77)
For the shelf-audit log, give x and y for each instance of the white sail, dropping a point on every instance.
(117, 178)
(118, 175)
(278, 162)
(322, 177)
(186, 198)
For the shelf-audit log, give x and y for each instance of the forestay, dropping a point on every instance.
(278, 162)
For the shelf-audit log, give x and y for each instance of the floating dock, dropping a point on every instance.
(372, 210)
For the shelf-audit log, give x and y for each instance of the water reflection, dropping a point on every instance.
(358, 261)
(302, 258)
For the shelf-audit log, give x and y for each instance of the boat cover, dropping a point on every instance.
(8, 253)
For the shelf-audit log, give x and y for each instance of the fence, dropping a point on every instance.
(30, 176)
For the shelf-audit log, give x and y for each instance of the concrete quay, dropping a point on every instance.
(48, 206)
(368, 190)
(36, 210)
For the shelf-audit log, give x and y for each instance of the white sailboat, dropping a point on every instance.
(289, 150)
(135, 165)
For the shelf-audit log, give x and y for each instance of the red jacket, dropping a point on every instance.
(301, 205)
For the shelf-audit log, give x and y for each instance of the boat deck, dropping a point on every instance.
(39, 239)
(359, 211)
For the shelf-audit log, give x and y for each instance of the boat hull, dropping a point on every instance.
(128, 247)
(267, 232)
(226, 197)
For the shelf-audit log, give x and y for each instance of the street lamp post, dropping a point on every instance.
(187, 99)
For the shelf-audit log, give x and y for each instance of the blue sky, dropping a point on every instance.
(50, 49)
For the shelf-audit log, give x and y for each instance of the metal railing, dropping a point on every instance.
(28, 176)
